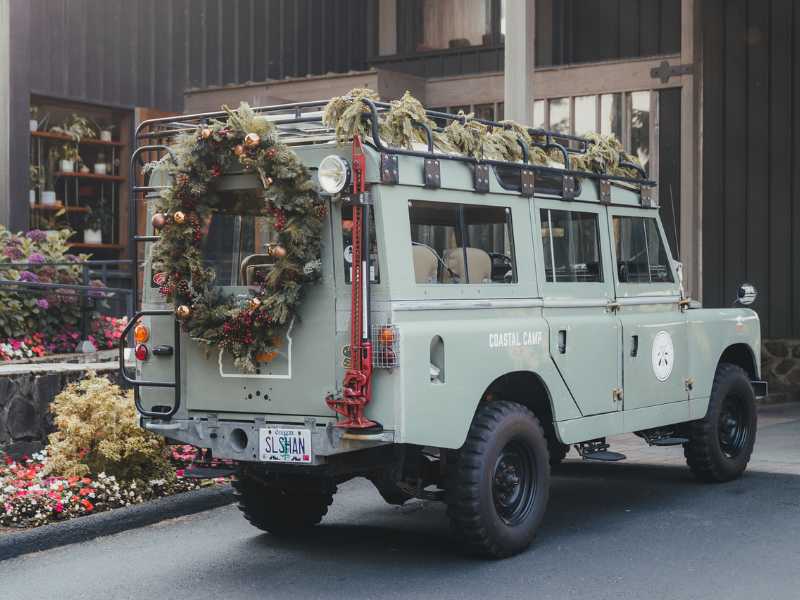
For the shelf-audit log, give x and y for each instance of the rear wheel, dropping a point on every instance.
(280, 511)
(501, 484)
(720, 444)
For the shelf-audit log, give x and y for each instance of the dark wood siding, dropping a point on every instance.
(579, 31)
(751, 165)
(146, 53)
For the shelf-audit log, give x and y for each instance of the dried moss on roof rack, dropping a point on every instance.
(402, 126)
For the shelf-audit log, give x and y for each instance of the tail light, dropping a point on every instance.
(141, 352)
(141, 333)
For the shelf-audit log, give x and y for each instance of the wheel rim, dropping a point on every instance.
(514, 482)
(734, 426)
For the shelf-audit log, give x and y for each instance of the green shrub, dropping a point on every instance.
(98, 432)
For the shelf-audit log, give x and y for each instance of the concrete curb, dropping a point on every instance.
(81, 529)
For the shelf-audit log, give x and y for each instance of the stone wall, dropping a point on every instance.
(780, 366)
(25, 397)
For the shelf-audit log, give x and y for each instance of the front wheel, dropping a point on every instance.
(499, 491)
(720, 444)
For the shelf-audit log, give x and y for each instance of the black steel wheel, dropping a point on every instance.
(498, 493)
(721, 443)
(280, 511)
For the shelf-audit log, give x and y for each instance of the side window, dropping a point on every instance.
(571, 243)
(640, 251)
(461, 243)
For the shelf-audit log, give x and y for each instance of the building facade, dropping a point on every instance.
(703, 92)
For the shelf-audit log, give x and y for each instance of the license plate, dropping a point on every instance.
(285, 445)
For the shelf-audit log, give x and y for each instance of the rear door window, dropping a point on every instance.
(461, 243)
(571, 246)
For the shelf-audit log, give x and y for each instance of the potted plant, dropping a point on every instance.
(34, 121)
(36, 175)
(69, 158)
(100, 165)
(48, 194)
(106, 132)
(76, 127)
(92, 228)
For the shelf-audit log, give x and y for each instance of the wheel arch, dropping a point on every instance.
(526, 388)
(741, 355)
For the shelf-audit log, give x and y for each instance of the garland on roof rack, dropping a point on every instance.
(250, 329)
(467, 136)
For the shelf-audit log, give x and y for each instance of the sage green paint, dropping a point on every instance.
(580, 382)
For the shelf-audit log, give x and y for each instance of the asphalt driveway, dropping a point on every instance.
(642, 528)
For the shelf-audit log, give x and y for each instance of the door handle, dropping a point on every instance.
(613, 306)
(562, 341)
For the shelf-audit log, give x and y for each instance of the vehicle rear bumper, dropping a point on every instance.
(225, 438)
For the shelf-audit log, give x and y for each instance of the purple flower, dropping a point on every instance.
(28, 276)
(36, 258)
(12, 252)
(42, 303)
(36, 235)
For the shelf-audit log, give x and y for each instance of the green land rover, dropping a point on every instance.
(469, 319)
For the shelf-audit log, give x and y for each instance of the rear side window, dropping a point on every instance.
(571, 245)
(461, 243)
(640, 251)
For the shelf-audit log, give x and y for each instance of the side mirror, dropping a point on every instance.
(746, 295)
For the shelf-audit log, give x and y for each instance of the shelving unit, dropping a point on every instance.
(80, 194)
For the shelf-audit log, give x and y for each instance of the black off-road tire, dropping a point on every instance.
(721, 443)
(490, 515)
(279, 511)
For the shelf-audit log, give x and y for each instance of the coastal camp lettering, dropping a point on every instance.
(509, 339)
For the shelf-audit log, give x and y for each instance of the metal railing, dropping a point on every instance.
(119, 298)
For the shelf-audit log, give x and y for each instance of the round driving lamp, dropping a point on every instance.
(333, 174)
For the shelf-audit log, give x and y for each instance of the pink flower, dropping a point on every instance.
(59, 507)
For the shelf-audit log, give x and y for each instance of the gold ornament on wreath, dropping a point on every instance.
(252, 329)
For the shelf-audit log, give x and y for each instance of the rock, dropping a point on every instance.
(777, 348)
(784, 367)
(23, 419)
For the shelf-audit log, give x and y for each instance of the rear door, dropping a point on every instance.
(296, 381)
(572, 252)
(655, 345)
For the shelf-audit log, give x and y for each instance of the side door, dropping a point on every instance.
(654, 332)
(573, 254)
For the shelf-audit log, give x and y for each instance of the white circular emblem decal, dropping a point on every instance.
(663, 355)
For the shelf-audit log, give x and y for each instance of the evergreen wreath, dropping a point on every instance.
(251, 330)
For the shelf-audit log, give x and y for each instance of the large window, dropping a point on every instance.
(571, 244)
(458, 243)
(453, 24)
(627, 116)
(640, 251)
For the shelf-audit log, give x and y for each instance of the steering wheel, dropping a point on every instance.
(502, 267)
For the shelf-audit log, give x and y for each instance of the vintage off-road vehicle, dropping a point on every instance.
(474, 320)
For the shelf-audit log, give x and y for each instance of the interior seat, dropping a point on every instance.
(425, 263)
(478, 261)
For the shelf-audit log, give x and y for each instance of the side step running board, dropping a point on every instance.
(670, 441)
(598, 450)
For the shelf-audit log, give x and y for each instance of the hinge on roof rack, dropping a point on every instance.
(569, 188)
(480, 178)
(526, 182)
(390, 172)
(604, 191)
(649, 197)
(431, 173)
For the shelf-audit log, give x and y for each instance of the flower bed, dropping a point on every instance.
(29, 498)
(105, 334)
(97, 459)
(35, 322)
